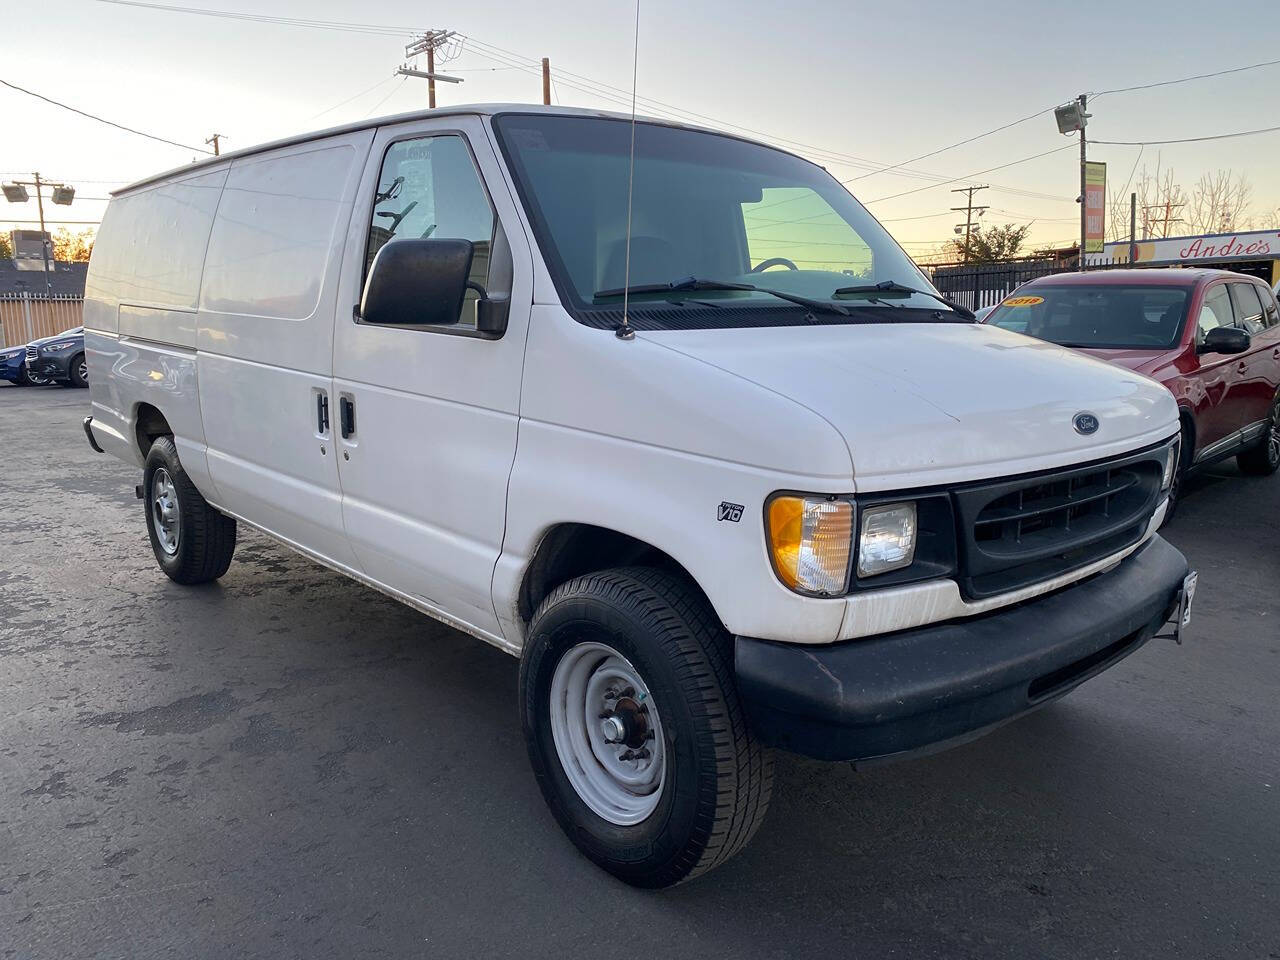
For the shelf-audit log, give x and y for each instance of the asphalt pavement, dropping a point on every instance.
(288, 764)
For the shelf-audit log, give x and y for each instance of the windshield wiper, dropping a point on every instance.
(893, 286)
(694, 283)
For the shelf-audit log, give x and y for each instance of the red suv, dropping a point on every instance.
(1212, 337)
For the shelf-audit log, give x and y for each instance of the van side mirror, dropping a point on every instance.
(423, 282)
(1225, 340)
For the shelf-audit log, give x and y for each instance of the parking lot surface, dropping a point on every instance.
(287, 763)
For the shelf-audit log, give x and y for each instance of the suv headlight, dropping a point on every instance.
(810, 540)
(888, 538)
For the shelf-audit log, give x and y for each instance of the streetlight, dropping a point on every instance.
(62, 194)
(1071, 117)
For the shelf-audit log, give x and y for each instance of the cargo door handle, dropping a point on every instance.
(1242, 367)
(347, 416)
(322, 413)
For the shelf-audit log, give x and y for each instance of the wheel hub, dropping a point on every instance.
(165, 511)
(607, 733)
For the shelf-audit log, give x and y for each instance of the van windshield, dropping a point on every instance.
(1102, 317)
(704, 206)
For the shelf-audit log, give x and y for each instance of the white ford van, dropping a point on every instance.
(700, 445)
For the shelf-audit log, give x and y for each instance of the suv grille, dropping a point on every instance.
(32, 354)
(1018, 532)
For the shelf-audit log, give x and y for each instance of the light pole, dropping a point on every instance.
(1072, 117)
(15, 191)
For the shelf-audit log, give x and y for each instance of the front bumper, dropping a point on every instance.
(932, 687)
(55, 366)
(11, 369)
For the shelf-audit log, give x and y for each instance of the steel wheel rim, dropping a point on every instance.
(597, 694)
(165, 511)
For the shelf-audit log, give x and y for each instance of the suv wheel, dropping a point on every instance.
(192, 541)
(1264, 459)
(634, 728)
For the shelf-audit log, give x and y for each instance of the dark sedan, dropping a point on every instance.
(59, 358)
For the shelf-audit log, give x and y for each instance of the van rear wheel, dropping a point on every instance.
(192, 541)
(634, 727)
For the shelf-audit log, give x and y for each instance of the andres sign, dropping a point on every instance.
(1212, 248)
(1095, 206)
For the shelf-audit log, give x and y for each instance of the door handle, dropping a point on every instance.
(347, 416)
(1242, 367)
(322, 413)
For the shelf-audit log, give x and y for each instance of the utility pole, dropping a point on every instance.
(1084, 217)
(1133, 229)
(968, 209)
(546, 82)
(214, 140)
(15, 191)
(429, 43)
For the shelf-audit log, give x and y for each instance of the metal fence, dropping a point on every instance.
(978, 285)
(25, 316)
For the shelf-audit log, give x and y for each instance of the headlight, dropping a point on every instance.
(810, 539)
(888, 538)
(1172, 455)
(57, 347)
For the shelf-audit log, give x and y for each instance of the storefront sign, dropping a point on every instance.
(1212, 248)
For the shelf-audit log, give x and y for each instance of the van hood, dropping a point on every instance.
(943, 403)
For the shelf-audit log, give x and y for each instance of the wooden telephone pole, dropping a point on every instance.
(546, 82)
(968, 209)
(429, 43)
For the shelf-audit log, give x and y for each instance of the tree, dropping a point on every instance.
(6, 251)
(1218, 202)
(73, 247)
(991, 244)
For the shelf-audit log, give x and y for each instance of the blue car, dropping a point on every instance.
(59, 359)
(13, 367)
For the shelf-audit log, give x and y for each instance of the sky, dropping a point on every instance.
(855, 85)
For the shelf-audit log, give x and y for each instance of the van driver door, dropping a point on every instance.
(426, 415)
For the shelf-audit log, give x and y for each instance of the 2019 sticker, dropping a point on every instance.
(1023, 301)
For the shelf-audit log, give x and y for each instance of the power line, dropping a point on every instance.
(961, 143)
(349, 99)
(1198, 76)
(93, 116)
(390, 94)
(1157, 143)
(970, 176)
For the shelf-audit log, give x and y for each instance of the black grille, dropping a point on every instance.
(32, 354)
(1018, 532)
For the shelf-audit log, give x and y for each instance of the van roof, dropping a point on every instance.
(473, 109)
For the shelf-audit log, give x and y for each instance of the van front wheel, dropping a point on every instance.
(192, 541)
(634, 728)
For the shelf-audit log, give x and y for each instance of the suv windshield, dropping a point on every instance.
(703, 206)
(1103, 317)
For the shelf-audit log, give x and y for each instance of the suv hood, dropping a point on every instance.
(943, 403)
(1143, 361)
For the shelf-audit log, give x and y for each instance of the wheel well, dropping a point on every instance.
(149, 423)
(571, 549)
(1189, 430)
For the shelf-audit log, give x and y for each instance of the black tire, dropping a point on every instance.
(75, 377)
(1180, 475)
(205, 539)
(718, 778)
(1263, 459)
(24, 379)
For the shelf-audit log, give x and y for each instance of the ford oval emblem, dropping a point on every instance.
(1086, 423)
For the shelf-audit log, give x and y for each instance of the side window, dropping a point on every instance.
(1215, 311)
(1270, 311)
(429, 187)
(1248, 306)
